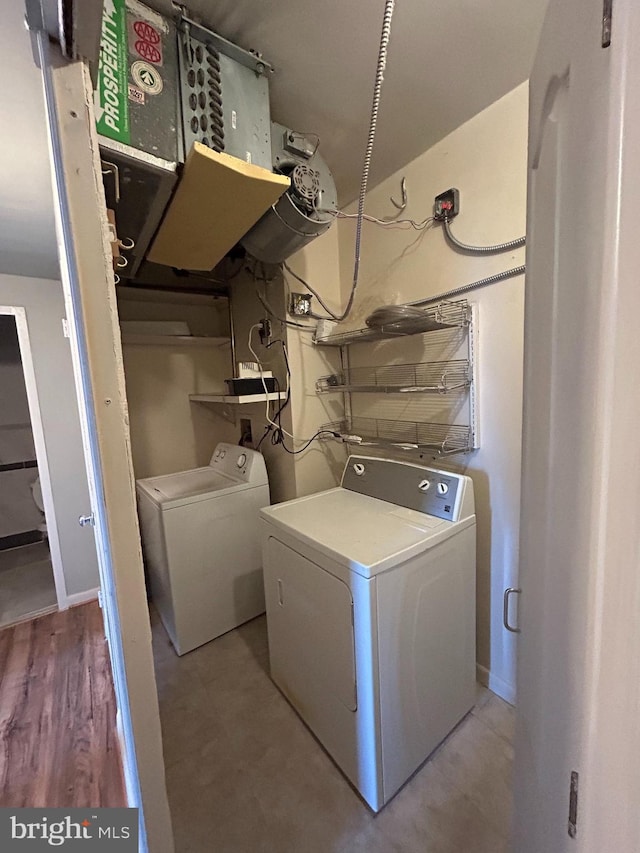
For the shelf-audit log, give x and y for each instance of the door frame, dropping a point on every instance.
(89, 292)
(577, 784)
(31, 385)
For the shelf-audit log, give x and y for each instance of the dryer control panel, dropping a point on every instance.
(443, 494)
(241, 463)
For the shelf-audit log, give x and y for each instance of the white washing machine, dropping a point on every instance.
(370, 597)
(201, 544)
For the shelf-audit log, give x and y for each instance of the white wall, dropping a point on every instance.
(27, 234)
(44, 305)
(320, 466)
(169, 432)
(486, 160)
(247, 310)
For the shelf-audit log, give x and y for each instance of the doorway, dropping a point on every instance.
(31, 578)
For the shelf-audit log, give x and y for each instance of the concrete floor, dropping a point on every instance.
(245, 774)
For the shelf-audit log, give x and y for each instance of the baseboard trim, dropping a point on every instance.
(497, 685)
(82, 597)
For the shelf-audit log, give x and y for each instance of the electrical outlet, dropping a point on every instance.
(446, 205)
(246, 438)
(265, 330)
(300, 304)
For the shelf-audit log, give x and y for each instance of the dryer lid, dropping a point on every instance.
(364, 534)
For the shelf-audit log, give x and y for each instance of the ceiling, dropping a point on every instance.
(446, 62)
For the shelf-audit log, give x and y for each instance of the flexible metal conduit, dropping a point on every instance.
(475, 285)
(481, 250)
(377, 89)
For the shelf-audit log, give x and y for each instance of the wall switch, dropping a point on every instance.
(446, 205)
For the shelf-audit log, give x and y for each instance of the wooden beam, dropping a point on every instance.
(90, 298)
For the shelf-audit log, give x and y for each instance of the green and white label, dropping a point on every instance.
(110, 98)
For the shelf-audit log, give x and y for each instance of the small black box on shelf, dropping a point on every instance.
(241, 387)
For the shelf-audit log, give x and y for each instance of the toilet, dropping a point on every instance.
(36, 491)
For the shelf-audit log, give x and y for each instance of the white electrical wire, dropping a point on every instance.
(264, 384)
(385, 223)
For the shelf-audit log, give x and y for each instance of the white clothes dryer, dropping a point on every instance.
(370, 598)
(201, 544)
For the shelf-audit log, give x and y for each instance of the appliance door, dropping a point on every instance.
(311, 647)
(426, 646)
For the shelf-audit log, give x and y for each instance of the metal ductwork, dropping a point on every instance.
(308, 207)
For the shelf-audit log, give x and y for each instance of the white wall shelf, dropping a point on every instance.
(234, 400)
(173, 340)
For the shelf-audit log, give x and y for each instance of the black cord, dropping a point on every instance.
(277, 433)
(313, 438)
(264, 435)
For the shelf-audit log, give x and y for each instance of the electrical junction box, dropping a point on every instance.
(300, 304)
(297, 143)
(447, 205)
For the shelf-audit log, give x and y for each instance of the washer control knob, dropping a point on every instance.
(241, 460)
(423, 485)
(223, 453)
(443, 488)
(358, 467)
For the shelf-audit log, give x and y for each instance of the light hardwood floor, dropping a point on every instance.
(58, 741)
